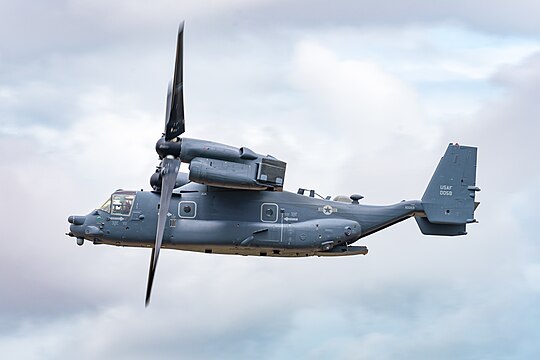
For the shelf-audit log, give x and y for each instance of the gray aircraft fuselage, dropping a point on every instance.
(227, 221)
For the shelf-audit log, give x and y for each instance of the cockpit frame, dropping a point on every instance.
(119, 203)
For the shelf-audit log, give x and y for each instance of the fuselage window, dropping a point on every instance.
(269, 212)
(187, 209)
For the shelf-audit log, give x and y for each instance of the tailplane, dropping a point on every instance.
(449, 200)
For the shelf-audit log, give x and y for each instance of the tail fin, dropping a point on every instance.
(449, 198)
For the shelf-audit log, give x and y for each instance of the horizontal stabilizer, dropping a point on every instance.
(428, 228)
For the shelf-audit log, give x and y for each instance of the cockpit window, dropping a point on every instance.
(122, 202)
(106, 206)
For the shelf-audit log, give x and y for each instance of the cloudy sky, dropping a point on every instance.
(357, 97)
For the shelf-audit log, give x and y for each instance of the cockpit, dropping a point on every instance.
(120, 203)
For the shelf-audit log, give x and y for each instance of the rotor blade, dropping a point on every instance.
(151, 271)
(170, 167)
(175, 123)
(168, 108)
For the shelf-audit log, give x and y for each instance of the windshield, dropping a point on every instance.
(106, 206)
(122, 202)
(119, 203)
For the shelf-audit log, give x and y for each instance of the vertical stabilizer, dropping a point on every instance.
(449, 198)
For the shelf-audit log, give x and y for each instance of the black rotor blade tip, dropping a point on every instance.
(151, 271)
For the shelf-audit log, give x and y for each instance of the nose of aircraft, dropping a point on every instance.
(84, 227)
(76, 220)
(77, 228)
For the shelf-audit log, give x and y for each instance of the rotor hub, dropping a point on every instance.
(165, 148)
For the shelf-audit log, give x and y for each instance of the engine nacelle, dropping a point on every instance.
(223, 165)
(194, 148)
(261, 174)
(226, 174)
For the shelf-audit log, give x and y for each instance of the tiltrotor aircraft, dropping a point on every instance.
(232, 202)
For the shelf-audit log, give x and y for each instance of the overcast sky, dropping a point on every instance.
(356, 96)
